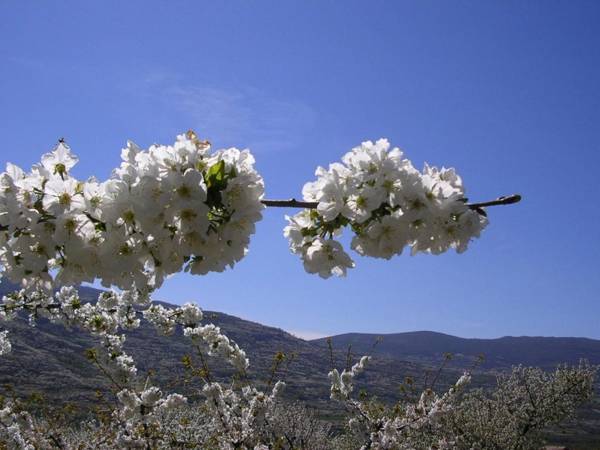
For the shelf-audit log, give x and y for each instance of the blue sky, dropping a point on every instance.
(506, 92)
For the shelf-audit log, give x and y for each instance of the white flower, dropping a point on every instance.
(61, 196)
(188, 188)
(69, 227)
(384, 238)
(297, 230)
(329, 190)
(327, 257)
(361, 205)
(60, 160)
(93, 196)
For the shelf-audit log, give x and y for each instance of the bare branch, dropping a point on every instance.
(506, 200)
(293, 203)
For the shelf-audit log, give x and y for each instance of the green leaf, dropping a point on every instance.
(216, 181)
(215, 175)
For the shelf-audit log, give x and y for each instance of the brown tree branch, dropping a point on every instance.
(505, 200)
(293, 203)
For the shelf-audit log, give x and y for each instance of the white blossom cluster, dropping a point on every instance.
(343, 385)
(239, 419)
(139, 412)
(232, 419)
(189, 316)
(388, 205)
(166, 208)
(105, 319)
(113, 313)
(398, 431)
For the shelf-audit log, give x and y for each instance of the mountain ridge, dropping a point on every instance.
(503, 352)
(416, 332)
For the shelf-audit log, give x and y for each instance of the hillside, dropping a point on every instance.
(51, 359)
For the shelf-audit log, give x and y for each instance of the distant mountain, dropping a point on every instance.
(50, 359)
(428, 346)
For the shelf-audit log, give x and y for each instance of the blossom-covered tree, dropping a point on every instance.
(184, 207)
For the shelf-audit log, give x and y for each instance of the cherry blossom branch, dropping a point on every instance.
(293, 203)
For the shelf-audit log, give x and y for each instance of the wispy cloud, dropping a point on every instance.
(242, 116)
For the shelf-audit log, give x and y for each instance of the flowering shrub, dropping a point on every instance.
(411, 426)
(513, 415)
(184, 207)
(524, 404)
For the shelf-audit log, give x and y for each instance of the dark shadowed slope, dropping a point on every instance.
(51, 359)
